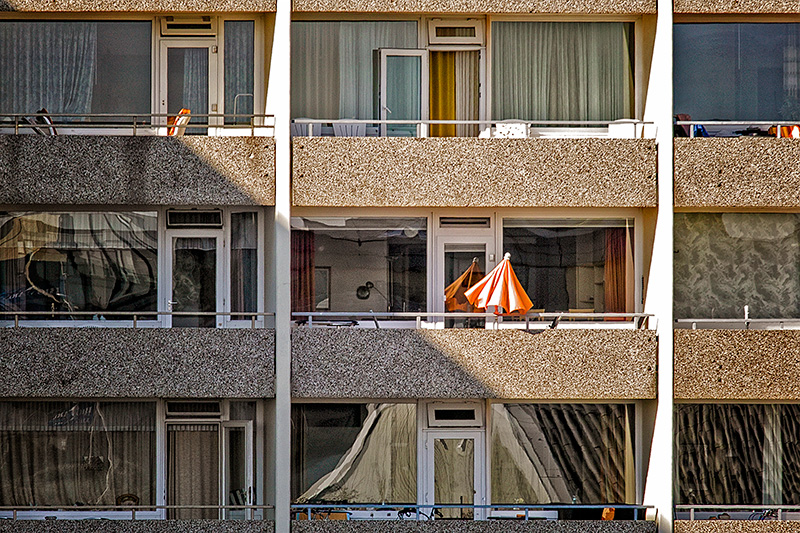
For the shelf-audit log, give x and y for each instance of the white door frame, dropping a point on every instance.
(197, 42)
(478, 436)
(481, 237)
(424, 83)
(247, 425)
(171, 235)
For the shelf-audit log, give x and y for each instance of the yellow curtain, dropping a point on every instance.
(443, 92)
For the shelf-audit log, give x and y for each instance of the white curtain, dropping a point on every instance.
(48, 65)
(358, 42)
(561, 71)
(467, 66)
(333, 64)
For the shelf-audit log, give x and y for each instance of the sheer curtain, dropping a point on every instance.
(332, 65)
(244, 262)
(239, 64)
(193, 469)
(48, 65)
(467, 100)
(195, 81)
(561, 71)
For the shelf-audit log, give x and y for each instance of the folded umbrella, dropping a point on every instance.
(500, 288)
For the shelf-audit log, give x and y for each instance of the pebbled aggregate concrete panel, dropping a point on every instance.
(736, 526)
(137, 363)
(137, 526)
(150, 6)
(737, 172)
(114, 170)
(474, 363)
(736, 6)
(470, 172)
(715, 364)
(469, 526)
(479, 6)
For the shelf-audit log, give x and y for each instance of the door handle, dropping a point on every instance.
(170, 303)
(387, 109)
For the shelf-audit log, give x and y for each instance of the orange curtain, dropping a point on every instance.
(614, 275)
(302, 271)
(443, 92)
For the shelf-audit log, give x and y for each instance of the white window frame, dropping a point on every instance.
(435, 23)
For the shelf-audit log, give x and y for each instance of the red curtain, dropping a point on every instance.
(614, 275)
(302, 271)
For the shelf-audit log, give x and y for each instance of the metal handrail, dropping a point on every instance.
(135, 316)
(769, 123)
(419, 508)
(135, 121)
(780, 508)
(422, 124)
(133, 509)
(793, 323)
(470, 122)
(638, 319)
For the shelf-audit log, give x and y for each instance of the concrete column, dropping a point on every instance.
(658, 109)
(278, 104)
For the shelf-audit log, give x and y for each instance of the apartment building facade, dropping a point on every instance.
(256, 320)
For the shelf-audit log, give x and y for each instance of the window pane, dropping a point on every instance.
(546, 453)
(239, 64)
(374, 263)
(77, 453)
(737, 71)
(573, 264)
(332, 66)
(80, 261)
(354, 453)
(562, 70)
(720, 454)
(724, 261)
(244, 263)
(76, 67)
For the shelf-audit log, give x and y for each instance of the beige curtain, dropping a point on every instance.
(467, 107)
(193, 469)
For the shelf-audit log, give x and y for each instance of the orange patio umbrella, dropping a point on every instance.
(454, 293)
(500, 288)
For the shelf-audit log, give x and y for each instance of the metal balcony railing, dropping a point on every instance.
(532, 320)
(732, 128)
(136, 124)
(620, 129)
(119, 512)
(131, 319)
(380, 511)
(737, 512)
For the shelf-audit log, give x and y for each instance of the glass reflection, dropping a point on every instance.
(78, 261)
(194, 280)
(354, 453)
(454, 476)
(568, 453)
